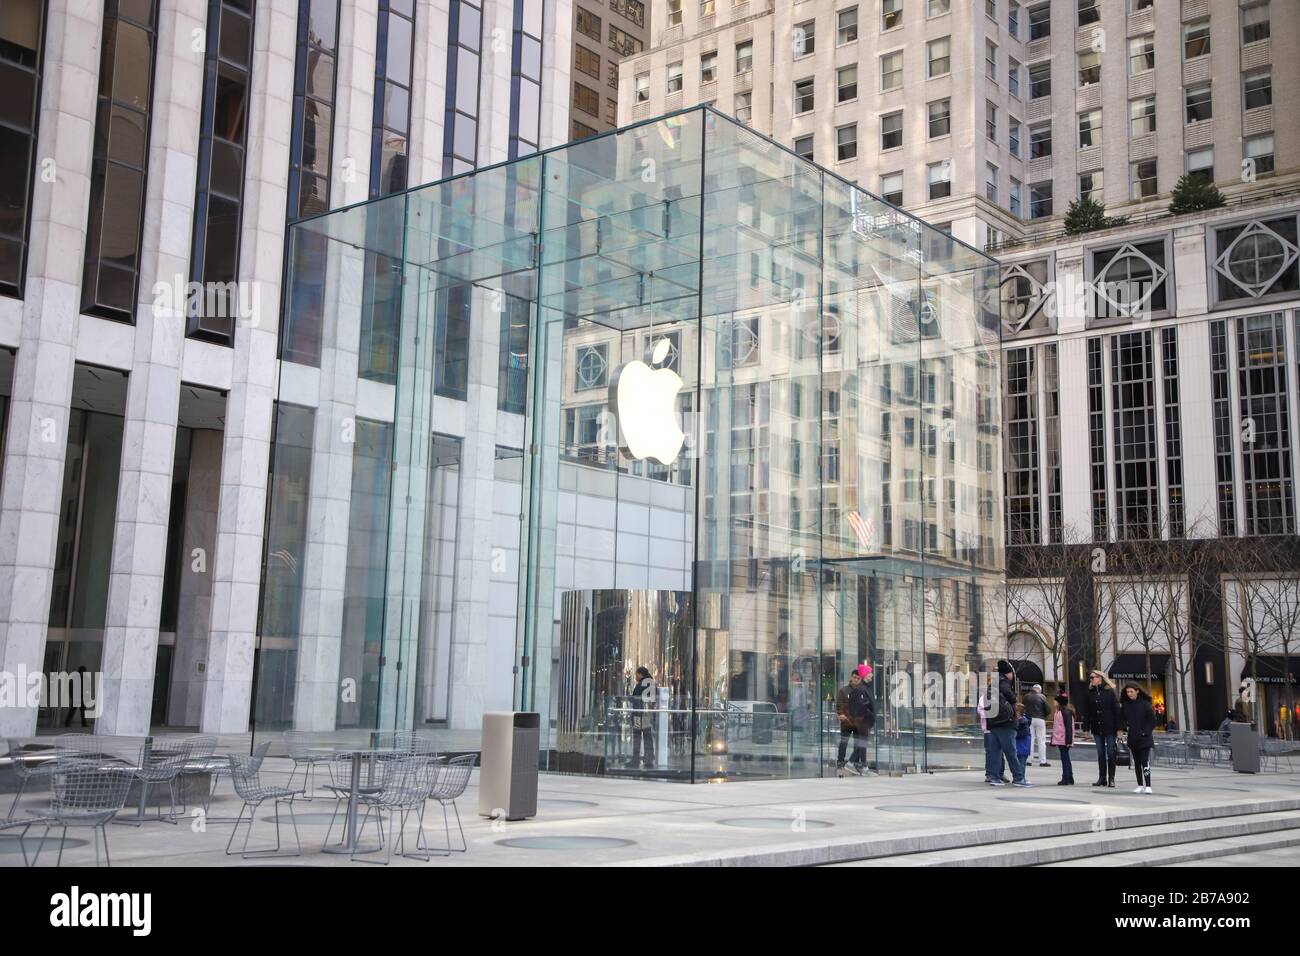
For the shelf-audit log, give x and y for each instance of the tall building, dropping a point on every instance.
(153, 154)
(1150, 372)
(602, 37)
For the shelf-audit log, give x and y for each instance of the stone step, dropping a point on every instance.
(1190, 852)
(1129, 838)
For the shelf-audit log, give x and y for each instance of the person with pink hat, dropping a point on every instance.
(856, 706)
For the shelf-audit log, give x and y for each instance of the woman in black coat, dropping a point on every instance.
(1101, 718)
(1140, 722)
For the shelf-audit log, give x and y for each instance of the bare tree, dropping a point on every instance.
(1186, 565)
(1248, 589)
(1039, 593)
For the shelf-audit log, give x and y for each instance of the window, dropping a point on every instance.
(1257, 258)
(891, 14)
(674, 78)
(939, 178)
(846, 142)
(1141, 54)
(1199, 164)
(22, 30)
(1040, 21)
(940, 56)
(803, 95)
(1040, 141)
(1134, 447)
(1144, 179)
(745, 56)
(1254, 24)
(1040, 200)
(744, 107)
(805, 38)
(1200, 105)
(991, 120)
(1040, 80)
(709, 67)
(846, 84)
(392, 109)
(891, 131)
(1013, 136)
(1024, 296)
(1196, 40)
(846, 25)
(991, 60)
(611, 112)
(891, 188)
(1090, 129)
(218, 200)
(1013, 77)
(1173, 431)
(991, 9)
(1137, 6)
(591, 367)
(577, 130)
(1259, 154)
(586, 61)
(589, 23)
(611, 75)
(706, 8)
(1090, 186)
(803, 147)
(624, 44)
(1266, 458)
(1013, 19)
(1089, 12)
(643, 88)
(1258, 89)
(1016, 197)
(937, 8)
(1097, 440)
(940, 117)
(891, 71)
(1130, 280)
(111, 267)
(674, 13)
(1142, 116)
(633, 10)
(1089, 68)
(991, 183)
(586, 99)
(1021, 446)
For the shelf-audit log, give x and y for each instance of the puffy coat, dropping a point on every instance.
(856, 707)
(1063, 729)
(1102, 716)
(1140, 722)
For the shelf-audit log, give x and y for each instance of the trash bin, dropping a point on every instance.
(1243, 739)
(507, 780)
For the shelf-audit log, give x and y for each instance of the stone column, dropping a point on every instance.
(43, 366)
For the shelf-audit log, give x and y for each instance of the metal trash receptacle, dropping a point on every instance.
(507, 780)
(1243, 740)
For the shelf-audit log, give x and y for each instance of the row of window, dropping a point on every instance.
(619, 40)
(1254, 18)
(1253, 260)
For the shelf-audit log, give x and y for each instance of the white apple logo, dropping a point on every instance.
(643, 399)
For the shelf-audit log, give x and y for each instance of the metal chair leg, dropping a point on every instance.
(13, 807)
(63, 839)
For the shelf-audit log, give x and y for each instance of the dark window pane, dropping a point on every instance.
(397, 107)
(123, 193)
(18, 96)
(131, 64)
(231, 109)
(316, 126)
(236, 38)
(313, 195)
(11, 252)
(227, 172)
(126, 138)
(220, 254)
(398, 62)
(115, 288)
(392, 164)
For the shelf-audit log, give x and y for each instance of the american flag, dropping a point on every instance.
(864, 528)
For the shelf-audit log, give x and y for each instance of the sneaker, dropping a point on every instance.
(1062, 783)
(995, 783)
(1147, 790)
(1004, 779)
(839, 771)
(1140, 790)
(1022, 783)
(856, 771)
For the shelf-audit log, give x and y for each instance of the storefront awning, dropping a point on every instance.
(1269, 668)
(1134, 667)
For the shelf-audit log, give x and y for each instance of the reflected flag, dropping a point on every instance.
(863, 528)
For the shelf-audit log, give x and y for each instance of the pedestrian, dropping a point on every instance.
(1102, 720)
(856, 706)
(1002, 724)
(995, 764)
(1063, 737)
(643, 700)
(1036, 709)
(78, 702)
(1024, 736)
(1140, 725)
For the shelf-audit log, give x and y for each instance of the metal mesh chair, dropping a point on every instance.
(302, 749)
(245, 775)
(201, 761)
(451, 780)
(25, 770)
(1276, 750)
(374, 780)
(84, 793)
(161, 764)
(25, 825)
(406, 786)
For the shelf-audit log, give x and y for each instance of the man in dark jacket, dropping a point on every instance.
(856, 706)
(1101, 718)
(1036, 710)
(1002, 725)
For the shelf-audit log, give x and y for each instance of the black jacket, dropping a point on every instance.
(1006, 712)
(1035, 706)
(1140, 722)
(1102, 715)
(856, 707)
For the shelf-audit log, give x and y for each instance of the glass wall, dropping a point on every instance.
(669, 398)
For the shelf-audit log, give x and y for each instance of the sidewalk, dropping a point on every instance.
(586, 821)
